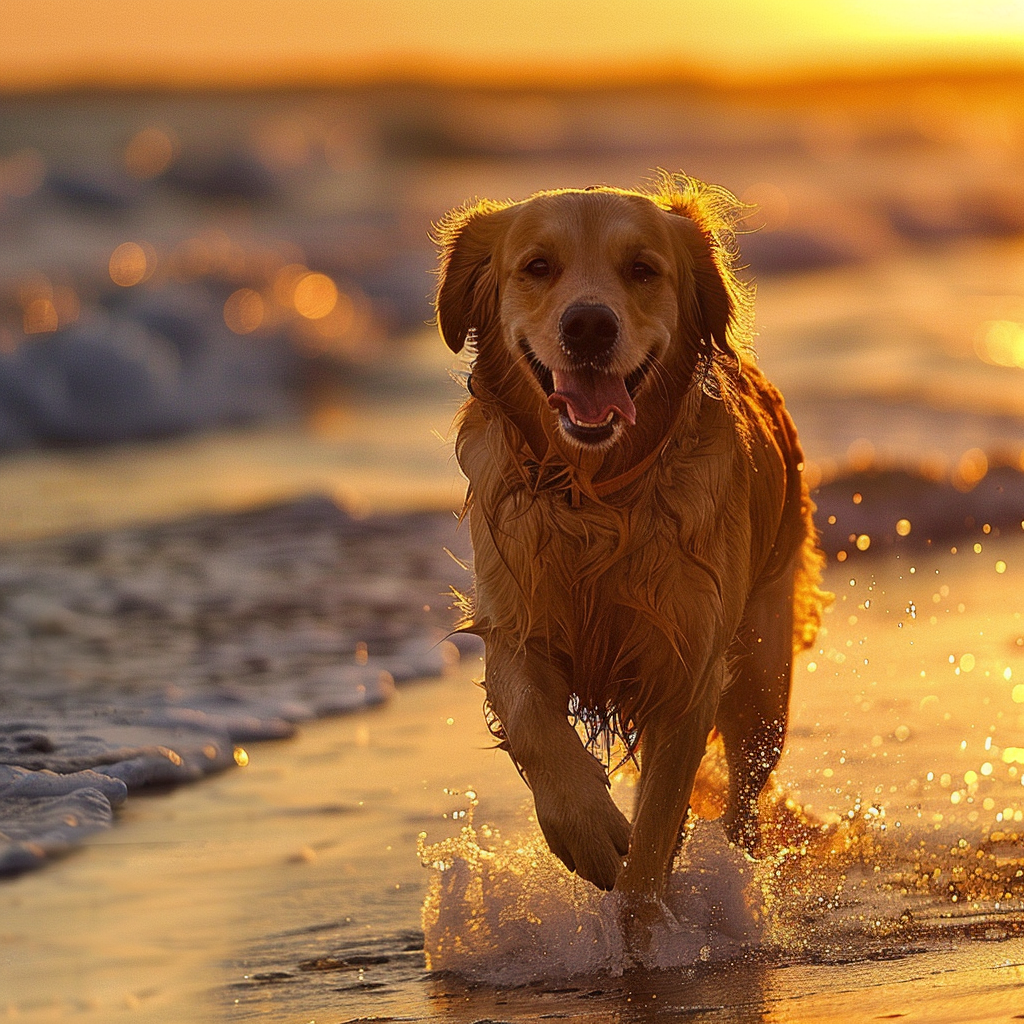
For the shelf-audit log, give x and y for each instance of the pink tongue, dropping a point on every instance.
(588, 396)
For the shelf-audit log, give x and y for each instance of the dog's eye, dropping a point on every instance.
(538, 268)
(642, 272)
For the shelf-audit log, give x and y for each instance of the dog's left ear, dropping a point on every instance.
(714, 304)
(467, 289)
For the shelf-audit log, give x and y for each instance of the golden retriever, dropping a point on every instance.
(644, 551)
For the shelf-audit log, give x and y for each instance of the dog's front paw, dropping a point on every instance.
(641, 916)
(584, 829)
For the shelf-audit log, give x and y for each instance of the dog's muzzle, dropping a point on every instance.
(587, 397)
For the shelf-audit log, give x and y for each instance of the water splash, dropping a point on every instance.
(505, 911)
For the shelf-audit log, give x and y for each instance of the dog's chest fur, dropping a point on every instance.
(618, 591)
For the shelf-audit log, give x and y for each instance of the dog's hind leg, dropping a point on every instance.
(574, 807)
(753, 710)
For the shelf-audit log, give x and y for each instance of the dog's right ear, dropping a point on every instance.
(467, 288)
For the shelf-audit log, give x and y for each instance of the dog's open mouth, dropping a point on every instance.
(590, 403)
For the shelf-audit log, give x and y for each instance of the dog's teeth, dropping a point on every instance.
(603, 423)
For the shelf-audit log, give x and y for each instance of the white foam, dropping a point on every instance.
(507, 912)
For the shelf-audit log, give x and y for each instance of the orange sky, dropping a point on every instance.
(47, 43)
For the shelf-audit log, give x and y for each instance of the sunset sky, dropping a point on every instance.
(54, 43)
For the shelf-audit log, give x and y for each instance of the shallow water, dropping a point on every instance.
(894, 862)
(294, 890)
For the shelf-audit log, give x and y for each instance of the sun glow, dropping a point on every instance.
(52, 43)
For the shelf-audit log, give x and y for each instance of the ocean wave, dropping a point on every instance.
(147, 656)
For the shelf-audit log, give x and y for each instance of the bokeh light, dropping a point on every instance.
(244, 311)
(40, 317)
(149, 152)
(1001, 343)
(860, 454)
(970, 470)
(315, 296)
(46, 307)
(131, 264)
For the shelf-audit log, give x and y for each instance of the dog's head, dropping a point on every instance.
(582, 298)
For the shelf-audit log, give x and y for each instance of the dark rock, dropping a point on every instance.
(224, 175)
(937, 511)
(796, 251)
(103, 190)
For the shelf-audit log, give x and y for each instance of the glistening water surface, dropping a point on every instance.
(894, 867)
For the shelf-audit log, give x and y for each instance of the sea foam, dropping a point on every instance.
(505, 911)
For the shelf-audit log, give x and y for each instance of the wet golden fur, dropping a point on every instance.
(660, 578)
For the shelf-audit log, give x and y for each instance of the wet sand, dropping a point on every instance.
(201, 898)
(197, 893)
(292, 889)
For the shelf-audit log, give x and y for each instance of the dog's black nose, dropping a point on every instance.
(588, 333)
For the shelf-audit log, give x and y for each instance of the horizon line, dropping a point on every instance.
(539, 75)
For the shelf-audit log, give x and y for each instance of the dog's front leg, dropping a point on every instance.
(670, 753)
(575, 810)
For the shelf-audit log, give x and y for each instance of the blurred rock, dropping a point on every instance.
(101, 189)
(157, 364)
(790, 251)
(938, 512)
(988, 213)
(223, 175)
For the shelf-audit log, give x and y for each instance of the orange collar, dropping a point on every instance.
(558, 474)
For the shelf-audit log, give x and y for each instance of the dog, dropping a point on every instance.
(644, 551)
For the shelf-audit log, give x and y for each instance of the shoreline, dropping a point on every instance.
(201, 705)
(147, 657)
(209, 894)
(183, 914)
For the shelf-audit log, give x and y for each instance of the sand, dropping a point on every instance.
(292, 888)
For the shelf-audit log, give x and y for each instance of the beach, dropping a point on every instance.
(197, 913)
(292, 888)
(225, 605)
(295, 885)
